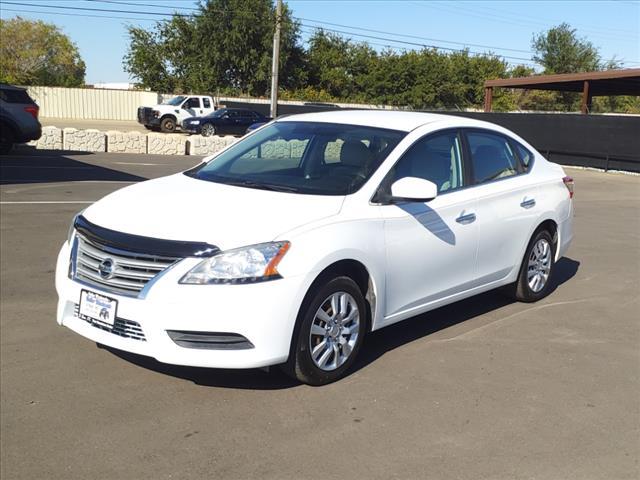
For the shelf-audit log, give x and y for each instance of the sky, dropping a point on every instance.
(503, 27)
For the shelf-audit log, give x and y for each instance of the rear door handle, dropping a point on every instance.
(528, 202)
(466, 218)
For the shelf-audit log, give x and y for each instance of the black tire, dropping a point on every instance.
(7, 138)
(522, 290)
(208, 130)
(168, 125)
(301, 365)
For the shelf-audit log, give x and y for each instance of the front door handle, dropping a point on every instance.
(528, 202)
(466, 218)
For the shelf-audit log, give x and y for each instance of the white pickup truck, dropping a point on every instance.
(170, 114)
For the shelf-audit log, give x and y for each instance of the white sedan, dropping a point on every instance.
(292, 244)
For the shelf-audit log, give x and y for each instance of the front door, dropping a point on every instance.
(430, 247)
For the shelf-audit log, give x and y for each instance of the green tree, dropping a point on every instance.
(560, 50)
(225, 46)
(38, 53)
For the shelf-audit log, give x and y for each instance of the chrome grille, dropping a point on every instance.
(131, 271)
(122, 327)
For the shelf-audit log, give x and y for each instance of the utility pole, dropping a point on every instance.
(276, 61)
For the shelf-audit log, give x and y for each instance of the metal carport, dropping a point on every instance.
(591, 84)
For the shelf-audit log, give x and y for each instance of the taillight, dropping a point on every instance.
(33, 110)
(568, 182)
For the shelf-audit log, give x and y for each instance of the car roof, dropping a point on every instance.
(6, 86)
(391, 119)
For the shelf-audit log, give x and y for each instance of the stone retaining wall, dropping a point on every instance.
(54, 138)
(126, 142)
(84, 140)
(199, 145)
(51, 139)
(166, 144)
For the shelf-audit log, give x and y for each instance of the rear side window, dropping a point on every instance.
(435, 158)
(206, 103)
(10, 95)
(491, 156)
(526, 157)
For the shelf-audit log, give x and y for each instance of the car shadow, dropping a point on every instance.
(376, 345)
(27, 165)
(382, 341)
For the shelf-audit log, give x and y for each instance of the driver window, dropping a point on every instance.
(436, 158)
(192, 103)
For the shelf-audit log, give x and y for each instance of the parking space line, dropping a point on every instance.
(58, 184)
(46, 202)
(141, 164)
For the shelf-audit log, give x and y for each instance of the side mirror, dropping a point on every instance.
(413, 189)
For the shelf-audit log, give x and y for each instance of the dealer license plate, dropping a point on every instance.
(97, 308)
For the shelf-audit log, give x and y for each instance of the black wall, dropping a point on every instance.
(575, 139)
(611, 142)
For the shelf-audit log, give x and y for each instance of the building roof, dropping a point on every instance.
(608, 82)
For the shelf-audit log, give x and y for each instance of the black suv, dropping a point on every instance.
(18, 117)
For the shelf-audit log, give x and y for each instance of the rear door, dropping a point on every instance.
(507, 203)
(207, 106)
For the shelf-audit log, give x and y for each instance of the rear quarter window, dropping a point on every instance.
(526, 157)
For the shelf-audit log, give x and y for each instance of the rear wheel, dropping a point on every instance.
(534, 280)
(208, 130)
(168, 125)
(6, 139)
(330, 333)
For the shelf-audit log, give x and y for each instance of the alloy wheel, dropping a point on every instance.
(539, 265)
(208, 130)
(334, 331)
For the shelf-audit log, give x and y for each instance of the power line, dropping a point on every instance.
(423, 45)
(404, 42)
(136, 4)
(108, 17)
(543, 21)
(459, 10)
(39, 5)
(411, 36)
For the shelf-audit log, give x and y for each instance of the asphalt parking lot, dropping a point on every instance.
(483, 389)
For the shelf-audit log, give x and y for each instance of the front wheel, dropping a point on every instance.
(168, 125)
(330, 334)
(208, 130)
(534, 280)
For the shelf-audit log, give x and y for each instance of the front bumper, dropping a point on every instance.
(264, 313)
(190, 128)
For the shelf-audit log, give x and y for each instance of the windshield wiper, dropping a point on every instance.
(263, 186)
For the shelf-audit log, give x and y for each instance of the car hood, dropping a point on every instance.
(179, 207)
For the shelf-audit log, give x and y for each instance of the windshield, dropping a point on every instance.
(175, 101)
(218, 113)
(303, 157)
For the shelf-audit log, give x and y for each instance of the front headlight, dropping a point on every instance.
(194, 122)
(255, 263)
